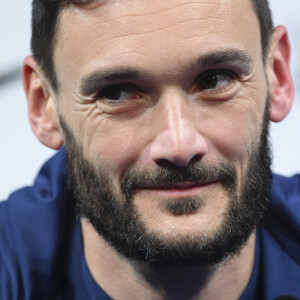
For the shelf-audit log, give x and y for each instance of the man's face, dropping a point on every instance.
(164, 101)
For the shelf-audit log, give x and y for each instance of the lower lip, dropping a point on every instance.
(181, 191)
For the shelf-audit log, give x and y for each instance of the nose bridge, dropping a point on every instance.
(177, 139)
(173, 118)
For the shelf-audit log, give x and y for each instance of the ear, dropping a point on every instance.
(41, 105)
(280, 79)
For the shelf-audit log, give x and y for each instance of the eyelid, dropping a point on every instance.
(218, 72)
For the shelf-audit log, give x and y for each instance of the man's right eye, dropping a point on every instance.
(116, 94)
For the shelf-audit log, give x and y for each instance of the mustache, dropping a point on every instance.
(168, 174)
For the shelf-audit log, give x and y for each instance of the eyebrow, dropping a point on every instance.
(228, 56)
(93, 81)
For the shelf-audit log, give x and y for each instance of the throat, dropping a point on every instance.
(122, 278)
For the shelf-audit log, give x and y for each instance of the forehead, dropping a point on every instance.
(152, 32)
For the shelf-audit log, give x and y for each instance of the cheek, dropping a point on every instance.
(233, 129)
(116, 144)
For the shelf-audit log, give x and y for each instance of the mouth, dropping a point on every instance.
(180, 188)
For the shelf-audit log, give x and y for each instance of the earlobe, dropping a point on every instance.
(280, 79)
(41, 106)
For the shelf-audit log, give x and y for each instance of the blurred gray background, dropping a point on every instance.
(22, 155)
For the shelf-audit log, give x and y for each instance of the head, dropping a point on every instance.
(164, 109)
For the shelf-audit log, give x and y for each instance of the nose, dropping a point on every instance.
(177, 139)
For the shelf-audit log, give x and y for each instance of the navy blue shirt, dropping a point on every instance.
(41, 254)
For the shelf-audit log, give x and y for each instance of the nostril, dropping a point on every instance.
(172, 164)
(164, 163)
(196, 158)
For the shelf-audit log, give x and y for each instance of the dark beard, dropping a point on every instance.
(116, 219)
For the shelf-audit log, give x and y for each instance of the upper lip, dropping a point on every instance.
(179, 185)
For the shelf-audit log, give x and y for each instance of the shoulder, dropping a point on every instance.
(29, 208)
(279, 241)
(283, 218)
(285, 200)
(286, 190)
(32, 223)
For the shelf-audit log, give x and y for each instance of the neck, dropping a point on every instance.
(116, 274)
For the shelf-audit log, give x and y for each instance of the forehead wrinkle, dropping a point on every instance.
(145, 8)
(96, 14)
(143, 15)
(121, 17)
(137, 32)
(159, 30)
(126, 21)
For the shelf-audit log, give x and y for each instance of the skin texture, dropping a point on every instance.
(165, 117)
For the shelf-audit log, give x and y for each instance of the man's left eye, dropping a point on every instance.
(215, 80)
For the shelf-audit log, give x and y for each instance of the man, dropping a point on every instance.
(161, 190)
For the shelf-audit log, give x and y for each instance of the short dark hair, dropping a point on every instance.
(265, 20)
(45, 23)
